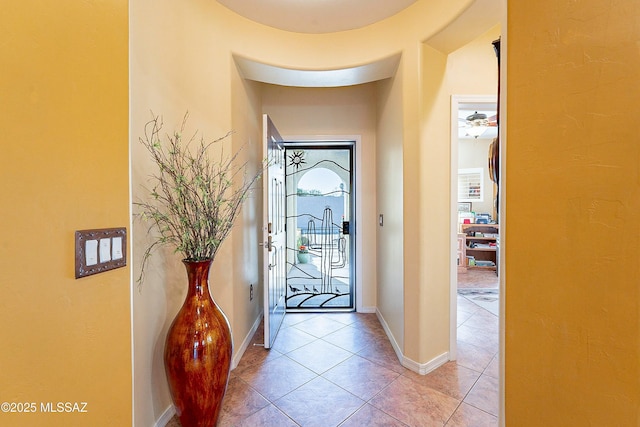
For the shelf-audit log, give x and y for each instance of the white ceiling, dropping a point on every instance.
(316, 16)
(373, 71)
(326, 16)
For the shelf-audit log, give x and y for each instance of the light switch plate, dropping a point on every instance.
(100, 250)
(91, 252)
(116, 248)
(105, 250)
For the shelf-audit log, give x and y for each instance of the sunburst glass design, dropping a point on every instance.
(297, 159)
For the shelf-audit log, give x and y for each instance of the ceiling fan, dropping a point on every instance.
(477, 123)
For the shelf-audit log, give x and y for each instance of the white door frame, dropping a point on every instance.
(274, 258)
(357, 180)
(456, 100)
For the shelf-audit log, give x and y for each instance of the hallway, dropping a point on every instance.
(339, 369)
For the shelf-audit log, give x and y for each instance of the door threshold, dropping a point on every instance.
(320, 310)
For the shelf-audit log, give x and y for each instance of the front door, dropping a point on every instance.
(320, 239)
(274, 237)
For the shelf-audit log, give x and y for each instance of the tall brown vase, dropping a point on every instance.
(197, 352)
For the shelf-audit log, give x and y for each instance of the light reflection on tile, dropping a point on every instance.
(319, 403)
(451, 379)
(266, 417)
(484, 395)
(319, 326)
(415, 404)
(277, 377)
(468, 416)
(473, 357)
(361, 377)
(240, 401)
(319, 356)
(371, 417)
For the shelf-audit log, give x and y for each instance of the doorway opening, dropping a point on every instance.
(319, 212)
(475, 228)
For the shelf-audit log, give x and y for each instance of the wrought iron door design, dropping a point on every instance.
(319, 227)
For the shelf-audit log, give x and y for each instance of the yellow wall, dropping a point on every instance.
(572, 214)
(64, 167)
(571, 338)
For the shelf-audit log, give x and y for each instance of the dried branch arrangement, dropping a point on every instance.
(194, 198)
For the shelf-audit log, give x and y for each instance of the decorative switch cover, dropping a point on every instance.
(100, 250)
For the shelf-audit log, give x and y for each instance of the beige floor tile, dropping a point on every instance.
(351, 338)
(383, 354)
(290, 339)
(291, 319)
(478, 337)
(319, 326)
(483, 319)
(466, 306)
(468, 416)
(371, 417)
(451, 379)
(415, 404)
(368, 321)
(463, 316)
(361, 377)
(266, 417)
(493, 369)
(319, 403)
(277, 377)
(346, 318)
(255, 355)
(310, 381)
(484, 395)
(240, 401)
(473, 357)
(319, 356)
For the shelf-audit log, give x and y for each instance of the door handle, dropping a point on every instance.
(345, 227)
(267, 245)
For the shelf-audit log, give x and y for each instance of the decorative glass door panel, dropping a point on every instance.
(319, 228)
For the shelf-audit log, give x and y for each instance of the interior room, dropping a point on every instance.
(81, 80)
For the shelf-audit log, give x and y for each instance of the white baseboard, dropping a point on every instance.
(425, 368)
(245, 343)
(392, 339)
(165, 417)
(367, 310)
(420, 368)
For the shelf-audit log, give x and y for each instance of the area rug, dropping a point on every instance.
(477, 279)
(489, 299)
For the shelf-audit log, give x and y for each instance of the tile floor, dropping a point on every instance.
(339, 369)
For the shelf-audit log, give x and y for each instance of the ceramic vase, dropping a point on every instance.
(197, 353)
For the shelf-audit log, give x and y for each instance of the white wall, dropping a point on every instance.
(390, 235)
(473, 153)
